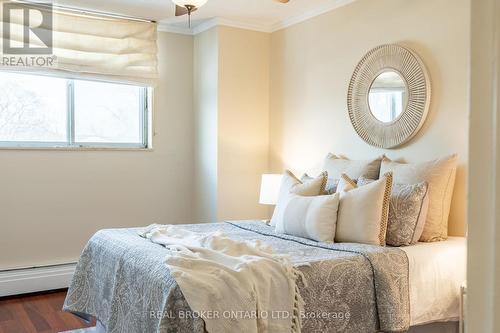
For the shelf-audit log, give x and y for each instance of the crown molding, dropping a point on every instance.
(244, 25)
(222, 21)
(209, 24)
(164, 27)
(206, 25)
(310, 14)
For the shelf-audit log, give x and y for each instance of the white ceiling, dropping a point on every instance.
(260, 14)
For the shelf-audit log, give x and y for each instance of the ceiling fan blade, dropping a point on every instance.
(179, 10)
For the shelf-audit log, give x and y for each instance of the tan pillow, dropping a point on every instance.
(440, 177)
(363, 213)
(292, 185)
(310, 217)
(331, 184)
(336, 166)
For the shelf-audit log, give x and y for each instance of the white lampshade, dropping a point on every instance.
(270, 189)
(184, 3)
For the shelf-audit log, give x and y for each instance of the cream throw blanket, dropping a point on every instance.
(235, 286)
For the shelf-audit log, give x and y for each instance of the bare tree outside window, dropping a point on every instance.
(32, 108)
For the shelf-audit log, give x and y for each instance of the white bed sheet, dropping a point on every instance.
(437, 270)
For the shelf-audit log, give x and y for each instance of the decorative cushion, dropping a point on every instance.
(336, 166)
(407, 212)
(331, 184)
(440, 177)
(306, 178)
(310, 217)
(291, 185)
(363, 213)
(345, 184)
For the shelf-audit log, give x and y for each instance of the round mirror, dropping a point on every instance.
(388, 96)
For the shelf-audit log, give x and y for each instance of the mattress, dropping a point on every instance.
(436, 270)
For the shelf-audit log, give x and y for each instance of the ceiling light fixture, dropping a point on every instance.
(187, 7)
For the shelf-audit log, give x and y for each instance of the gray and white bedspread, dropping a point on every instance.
(122, 280)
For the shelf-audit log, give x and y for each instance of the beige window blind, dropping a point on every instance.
(87, 45)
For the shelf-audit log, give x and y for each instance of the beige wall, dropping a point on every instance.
(231, 89)
(243, 122)
(311, 65)
(206, 91)
(52, 201)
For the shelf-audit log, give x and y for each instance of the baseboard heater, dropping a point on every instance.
(35, 279)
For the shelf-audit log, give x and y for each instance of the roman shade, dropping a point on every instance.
(110, 48)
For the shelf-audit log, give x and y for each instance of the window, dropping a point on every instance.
(44, 111)
(387, 100)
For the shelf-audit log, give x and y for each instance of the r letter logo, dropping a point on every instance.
(27, 28)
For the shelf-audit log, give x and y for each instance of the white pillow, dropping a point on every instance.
(310, 217)
(292, 185)
(363, 213)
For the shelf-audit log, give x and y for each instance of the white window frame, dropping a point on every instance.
(70, 143)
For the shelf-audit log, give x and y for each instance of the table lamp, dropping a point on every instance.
(270, 189)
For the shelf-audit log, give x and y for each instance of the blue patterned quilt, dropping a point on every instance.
(121, 279)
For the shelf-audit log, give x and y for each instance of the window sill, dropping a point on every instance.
(137, 149)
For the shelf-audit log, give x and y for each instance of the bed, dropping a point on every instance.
(437, 271)
(121, 279)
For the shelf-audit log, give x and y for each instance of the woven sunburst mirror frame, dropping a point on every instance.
(408, 65)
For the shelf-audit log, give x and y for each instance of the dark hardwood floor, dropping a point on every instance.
(37, 313)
